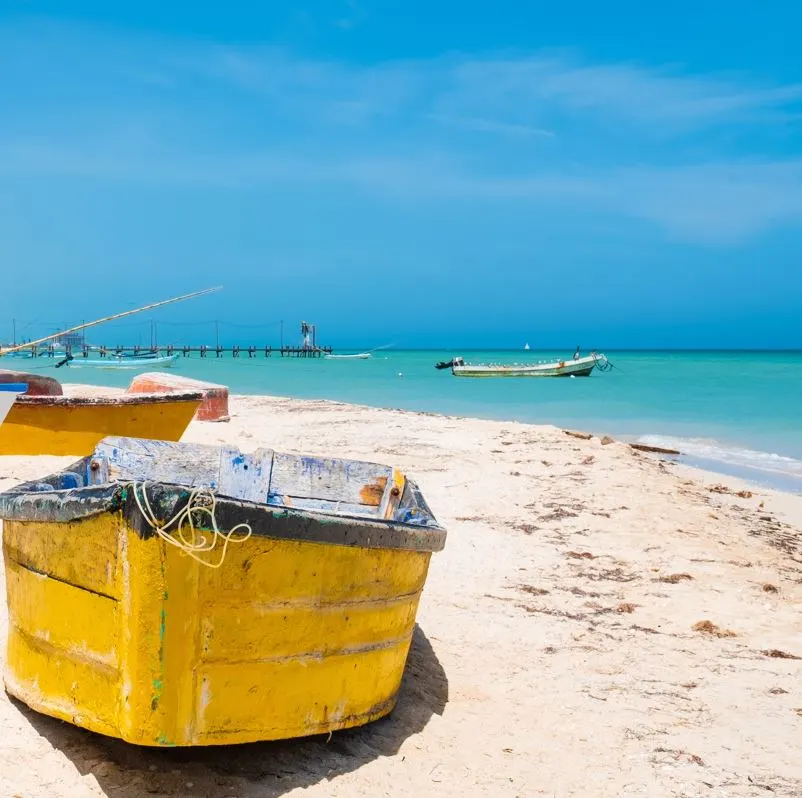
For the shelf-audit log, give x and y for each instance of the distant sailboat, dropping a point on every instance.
(526, 347)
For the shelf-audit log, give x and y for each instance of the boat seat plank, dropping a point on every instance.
(344, 481)
(131, 459)
(231, 473)
(245, 476)
(328, 485)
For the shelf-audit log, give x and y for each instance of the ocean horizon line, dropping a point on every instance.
(599, 349)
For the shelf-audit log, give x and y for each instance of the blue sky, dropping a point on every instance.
(422, 174)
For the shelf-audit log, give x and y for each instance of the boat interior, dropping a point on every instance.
(328, 486)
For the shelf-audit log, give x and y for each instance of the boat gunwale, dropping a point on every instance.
(117, 399)
(584, 360)
(278, 522)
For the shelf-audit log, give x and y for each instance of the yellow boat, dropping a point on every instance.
(69, 425)
(132, 614)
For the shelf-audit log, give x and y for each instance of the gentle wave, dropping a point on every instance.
(739, 457)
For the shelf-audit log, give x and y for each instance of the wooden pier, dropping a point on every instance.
(185, 351)
(74, 347)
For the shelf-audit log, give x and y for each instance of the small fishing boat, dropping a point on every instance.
(25, 354)
(576, 367)
(177, 594)
(44, 421)
(360, 356)
(116, 362)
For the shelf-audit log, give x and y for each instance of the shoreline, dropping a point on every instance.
(767, 479)
(787, 502)
(732, 418)
(758, 478)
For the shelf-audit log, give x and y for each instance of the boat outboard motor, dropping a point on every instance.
(457, 361)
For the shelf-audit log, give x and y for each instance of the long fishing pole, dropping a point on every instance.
(30, 344)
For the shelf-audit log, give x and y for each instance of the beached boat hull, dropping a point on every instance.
(36, 384)
(62, 425)
(303, 629)
(581, 367)
(213, 407)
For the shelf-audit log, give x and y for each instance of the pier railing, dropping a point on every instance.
(186, 351)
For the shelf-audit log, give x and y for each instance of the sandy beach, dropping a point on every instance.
(600, 623)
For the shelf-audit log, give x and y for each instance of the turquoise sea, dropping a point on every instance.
(735, 412)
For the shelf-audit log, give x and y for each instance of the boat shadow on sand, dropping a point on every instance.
(255, 769)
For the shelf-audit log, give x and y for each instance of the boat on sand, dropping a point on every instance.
(213, 406)
(278, 602)
(44, 421)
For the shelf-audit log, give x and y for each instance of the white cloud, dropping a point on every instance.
(627, 92)
(511, 92)
(714, 203)
(718, 203)
(484, 125)
(475, 128)
(506, 94)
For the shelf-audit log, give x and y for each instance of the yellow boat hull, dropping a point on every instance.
(60, 425)
(125, 635)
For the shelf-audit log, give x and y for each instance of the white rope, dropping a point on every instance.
(203, 502)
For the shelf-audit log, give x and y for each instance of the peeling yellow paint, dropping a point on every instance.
(131, 638)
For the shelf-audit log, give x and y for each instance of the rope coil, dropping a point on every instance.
(192, 541)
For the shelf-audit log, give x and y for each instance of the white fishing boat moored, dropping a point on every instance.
(576, 367)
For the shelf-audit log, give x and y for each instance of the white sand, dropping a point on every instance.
(553, 658)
